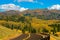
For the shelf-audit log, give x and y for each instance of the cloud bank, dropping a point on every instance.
(12, 7)
(54, 7)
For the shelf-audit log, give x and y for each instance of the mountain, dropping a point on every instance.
(44, 14)
(41, 14)
(11, 12)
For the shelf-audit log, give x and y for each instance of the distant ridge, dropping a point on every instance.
(47, 14)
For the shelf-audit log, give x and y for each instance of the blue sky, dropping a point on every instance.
(33, 4)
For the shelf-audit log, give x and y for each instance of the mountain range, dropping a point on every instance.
(41, 14)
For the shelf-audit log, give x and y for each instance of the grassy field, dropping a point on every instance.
(52, 37)
(6, 33)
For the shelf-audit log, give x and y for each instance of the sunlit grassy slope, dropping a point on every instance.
(6, 33)
(52, 37)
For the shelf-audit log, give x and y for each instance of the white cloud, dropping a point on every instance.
(24, 0)
(33, 1)
(12, 7)
(23, 9)
(56, 7)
